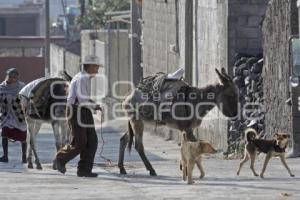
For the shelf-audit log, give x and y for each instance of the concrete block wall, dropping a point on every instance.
(244, 27)
(280, 23)
(63, 60)
(212, 53)
(223, 28)
(117, 57)
(159, 32)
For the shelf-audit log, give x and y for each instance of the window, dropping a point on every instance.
(296, 56)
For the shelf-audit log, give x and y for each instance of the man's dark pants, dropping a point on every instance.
(84, 140)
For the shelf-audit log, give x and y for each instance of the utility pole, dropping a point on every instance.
(189, 41)
(136, 48)
(47, 39)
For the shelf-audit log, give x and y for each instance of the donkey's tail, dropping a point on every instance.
(131, 134)
(250, 134)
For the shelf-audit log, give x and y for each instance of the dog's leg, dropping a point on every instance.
(252, 157)
(282, 158)
(199, 164)
(245, 159)
(268, 157)
(190, 167)
(184, 169)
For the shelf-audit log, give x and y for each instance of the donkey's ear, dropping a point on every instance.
(225, 74)
(223, 70)
(65, 76)
(222, 78)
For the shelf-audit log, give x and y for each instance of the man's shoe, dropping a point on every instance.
(87, 174)
(61, 167)
(4, 159)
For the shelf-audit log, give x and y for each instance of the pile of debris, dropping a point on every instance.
(247, 72)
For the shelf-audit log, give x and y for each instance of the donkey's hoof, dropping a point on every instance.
(123, 171)
(30, 165)
(39, 166)
(54, 165)
(153, 173)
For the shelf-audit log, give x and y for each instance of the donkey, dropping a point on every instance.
(53, 91)
(183, 113)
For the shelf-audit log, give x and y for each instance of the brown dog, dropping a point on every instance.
(271, 148)
(191, 154)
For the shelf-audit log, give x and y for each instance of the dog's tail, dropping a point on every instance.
(250, 134)
(185, 139)
(131, 134)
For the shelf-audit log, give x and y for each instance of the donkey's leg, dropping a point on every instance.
(123, 143)
(138, 128)
(58, 140)
(190, 135)
(30, 125)
(65, 133)
(55, 126)
(36, 128)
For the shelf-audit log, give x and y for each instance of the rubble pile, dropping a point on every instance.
(247, 75)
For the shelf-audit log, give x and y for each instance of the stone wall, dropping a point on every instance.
(280, 23)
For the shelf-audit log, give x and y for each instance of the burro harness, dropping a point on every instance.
(158, 89)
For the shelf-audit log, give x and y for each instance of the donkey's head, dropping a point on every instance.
(227, 97)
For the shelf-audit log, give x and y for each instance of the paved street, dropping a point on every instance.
(17, 182)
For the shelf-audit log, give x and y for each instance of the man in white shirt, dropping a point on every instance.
(84, 137)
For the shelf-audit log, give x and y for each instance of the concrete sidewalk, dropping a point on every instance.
(17, 182)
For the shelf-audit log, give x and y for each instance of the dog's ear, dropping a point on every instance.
(276, 135)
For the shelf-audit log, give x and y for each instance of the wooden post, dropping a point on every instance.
(189, 41)
(136, 48)
(47, 39)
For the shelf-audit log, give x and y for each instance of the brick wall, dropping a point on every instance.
(30, 68)
(280, 23)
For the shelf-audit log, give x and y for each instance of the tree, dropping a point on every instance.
(93, 11)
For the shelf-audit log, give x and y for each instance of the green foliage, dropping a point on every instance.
(93, 11)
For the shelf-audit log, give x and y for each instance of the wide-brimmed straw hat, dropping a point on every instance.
(91, 60)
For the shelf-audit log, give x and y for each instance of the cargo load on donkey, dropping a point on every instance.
(158, 92)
